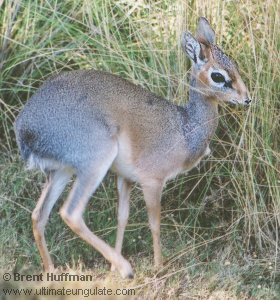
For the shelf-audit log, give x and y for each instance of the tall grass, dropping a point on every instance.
(227, 210)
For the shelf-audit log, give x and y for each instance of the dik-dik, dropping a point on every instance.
(87, 122)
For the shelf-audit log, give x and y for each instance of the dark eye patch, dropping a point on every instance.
(217, 77)
(228, 84)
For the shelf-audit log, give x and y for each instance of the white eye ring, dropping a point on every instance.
(220, 71)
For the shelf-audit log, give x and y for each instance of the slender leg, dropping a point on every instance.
(51, 192)
(152, 196)
(73, 209)
(124, 188)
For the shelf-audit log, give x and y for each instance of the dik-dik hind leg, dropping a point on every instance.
(53, 188)
(124, 188)
(72, 211)
(152, 195)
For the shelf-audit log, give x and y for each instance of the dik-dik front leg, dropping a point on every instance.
(152, 195)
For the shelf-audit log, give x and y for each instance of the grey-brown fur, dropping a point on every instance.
(86, 122)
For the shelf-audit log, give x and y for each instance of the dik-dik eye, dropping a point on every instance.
(217, 77)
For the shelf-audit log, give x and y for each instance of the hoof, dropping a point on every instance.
(125, 269)
(130, 276)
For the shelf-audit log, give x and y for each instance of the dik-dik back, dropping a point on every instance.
(86, 122)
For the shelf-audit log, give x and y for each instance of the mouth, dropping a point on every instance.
(234, 101)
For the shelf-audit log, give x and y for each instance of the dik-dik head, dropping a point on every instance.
(217, 76)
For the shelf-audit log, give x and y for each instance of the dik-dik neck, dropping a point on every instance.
(200, 120)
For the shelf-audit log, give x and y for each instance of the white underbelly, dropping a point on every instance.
(124, 169)
(123, 163)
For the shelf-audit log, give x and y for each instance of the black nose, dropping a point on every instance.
(247, 101)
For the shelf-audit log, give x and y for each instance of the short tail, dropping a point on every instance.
(26, 140)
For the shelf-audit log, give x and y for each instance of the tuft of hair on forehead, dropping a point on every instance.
(222, 59)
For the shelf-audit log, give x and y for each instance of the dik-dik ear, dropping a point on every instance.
(192, 48)
(204, 33)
